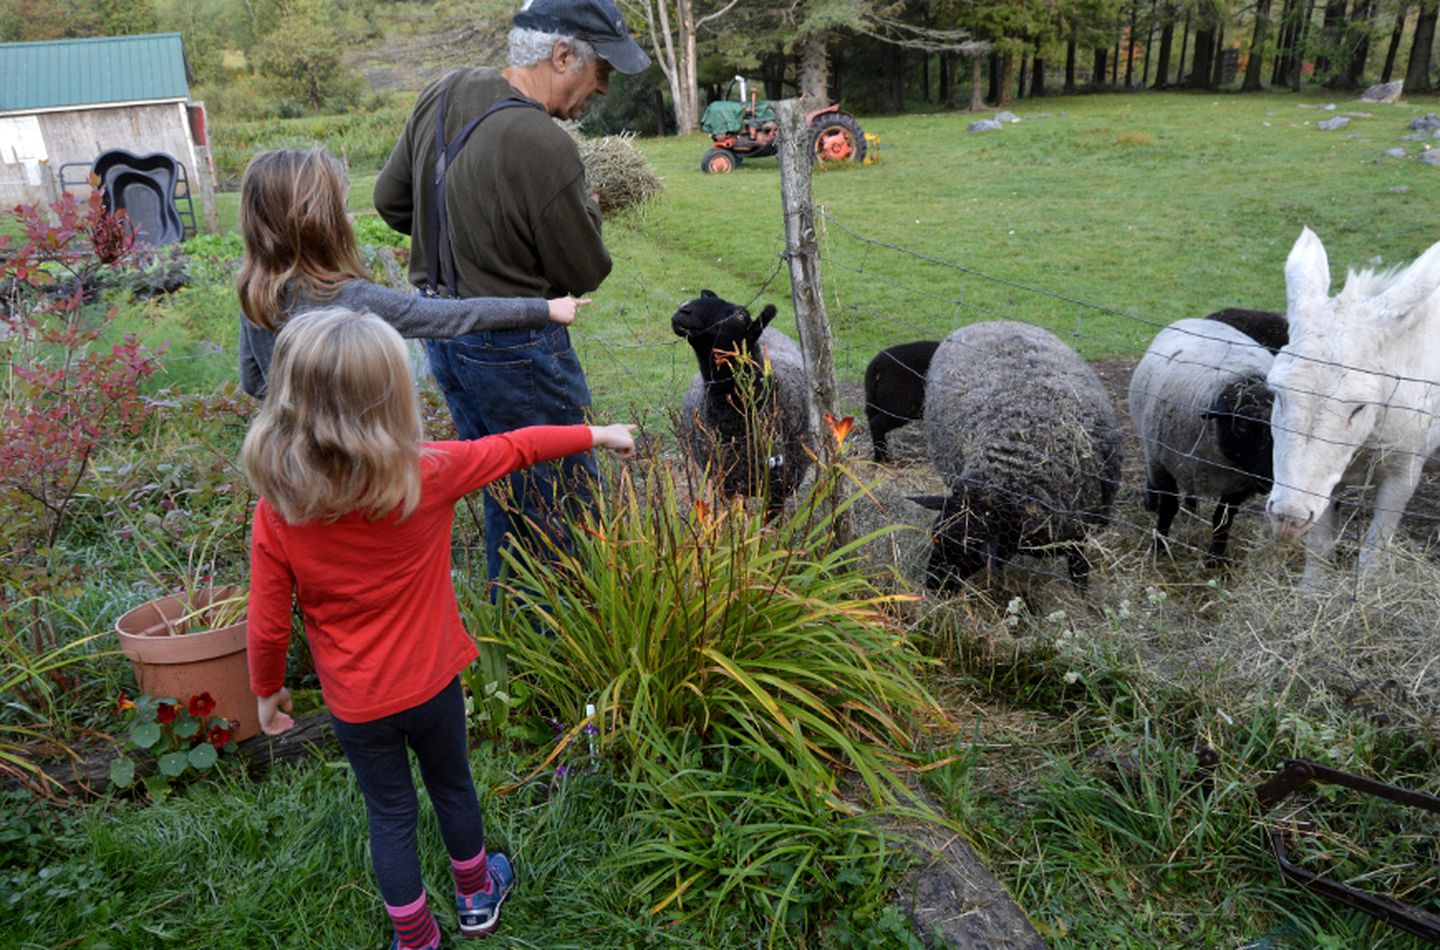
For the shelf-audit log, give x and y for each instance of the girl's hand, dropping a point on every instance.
(274, 713)
(563, 309)
(616, 438)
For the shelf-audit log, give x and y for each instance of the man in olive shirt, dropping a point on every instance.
(520, 224)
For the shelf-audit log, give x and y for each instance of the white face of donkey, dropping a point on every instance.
(1336, 382)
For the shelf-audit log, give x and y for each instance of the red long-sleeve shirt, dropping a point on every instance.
(376, 596)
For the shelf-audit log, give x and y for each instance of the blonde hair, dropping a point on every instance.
(339, 429)
(298, 237)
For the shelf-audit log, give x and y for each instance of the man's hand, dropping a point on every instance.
(563, 310)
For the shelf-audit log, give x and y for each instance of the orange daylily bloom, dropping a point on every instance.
(839, 428)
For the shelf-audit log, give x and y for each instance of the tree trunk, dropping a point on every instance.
(1218, 59)
(815, 70)
(1284, 44)
(1333, 23)
(1203, 65)
(1070, 48)
(1037, 75)
(977, 77)
(674, 49)
(947, 79)
(1024, 75)
(1149, 41)
(1394, 47)
(1352, 49)
(1417, 76)
(1184, 47)
(1115, 64)
(1167, 40)
(1007, 79)
(1130, 51)
(1256, 63)
(993, 93)
(925, 78)
(1097, 69)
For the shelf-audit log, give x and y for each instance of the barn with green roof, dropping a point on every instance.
(65, 102)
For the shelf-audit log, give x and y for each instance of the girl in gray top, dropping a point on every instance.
(300, 254)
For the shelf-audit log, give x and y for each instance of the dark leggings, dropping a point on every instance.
(435, 729)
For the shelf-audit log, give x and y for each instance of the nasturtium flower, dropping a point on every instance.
(124, 705)
(219, 736)
(166, 713)
(202, 705)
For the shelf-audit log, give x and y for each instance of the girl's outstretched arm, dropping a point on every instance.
(418, 316)
(617, 438)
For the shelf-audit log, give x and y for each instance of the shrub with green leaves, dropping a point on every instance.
(752, 680)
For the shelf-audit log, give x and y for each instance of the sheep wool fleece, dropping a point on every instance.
(376, 595)
(1012, 406)
(1176, 380)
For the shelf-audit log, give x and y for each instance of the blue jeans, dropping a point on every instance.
(435, 729)
(502, 380)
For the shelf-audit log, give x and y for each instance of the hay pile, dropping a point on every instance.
(615, 170)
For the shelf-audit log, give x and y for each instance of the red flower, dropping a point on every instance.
(165, 713)
(124, 705)
(219, 736)
(202, 705)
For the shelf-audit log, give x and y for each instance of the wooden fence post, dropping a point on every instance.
(816, 339)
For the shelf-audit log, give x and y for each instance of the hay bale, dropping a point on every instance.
(615, 170)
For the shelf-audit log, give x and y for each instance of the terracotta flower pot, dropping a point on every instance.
(174, 655)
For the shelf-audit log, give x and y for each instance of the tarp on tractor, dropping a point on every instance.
(724, 116)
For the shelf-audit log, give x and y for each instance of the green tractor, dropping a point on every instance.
(746, 129)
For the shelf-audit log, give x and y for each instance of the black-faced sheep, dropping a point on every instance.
(747, 417)
(1266, 327)
(1022, 431)
(895, 390)
(1202, 411)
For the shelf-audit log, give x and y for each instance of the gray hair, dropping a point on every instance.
(528, 47)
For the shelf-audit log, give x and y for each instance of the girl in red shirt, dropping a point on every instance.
(355, 518)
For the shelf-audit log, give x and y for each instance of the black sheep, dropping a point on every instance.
(1266, 327)
(895, 390)
(747, 416)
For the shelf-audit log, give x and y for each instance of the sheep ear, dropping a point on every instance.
(933, 502)
(1411, 289)
(708, 293)
(768, 314)
(1307, 276)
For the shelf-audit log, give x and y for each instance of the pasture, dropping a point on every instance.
(1099, 749)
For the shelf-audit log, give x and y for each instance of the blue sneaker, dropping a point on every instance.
(480, 912)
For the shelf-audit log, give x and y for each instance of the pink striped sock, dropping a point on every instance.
(471, 876)
(415, 925)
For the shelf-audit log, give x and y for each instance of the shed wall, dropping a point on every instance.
(80, 135)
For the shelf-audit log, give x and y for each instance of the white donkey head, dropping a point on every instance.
(1337, 379)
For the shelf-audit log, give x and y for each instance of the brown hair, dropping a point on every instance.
(339, 429)
(298, 238)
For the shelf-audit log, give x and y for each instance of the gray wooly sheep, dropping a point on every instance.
(1202, 411)
(1024, 434)
(895, 390)
(751, 429)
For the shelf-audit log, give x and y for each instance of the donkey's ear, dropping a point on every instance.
(1406, 297)
(1307, 276)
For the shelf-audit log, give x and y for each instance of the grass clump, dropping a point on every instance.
(751, 683)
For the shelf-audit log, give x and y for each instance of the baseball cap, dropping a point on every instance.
(598, 22)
